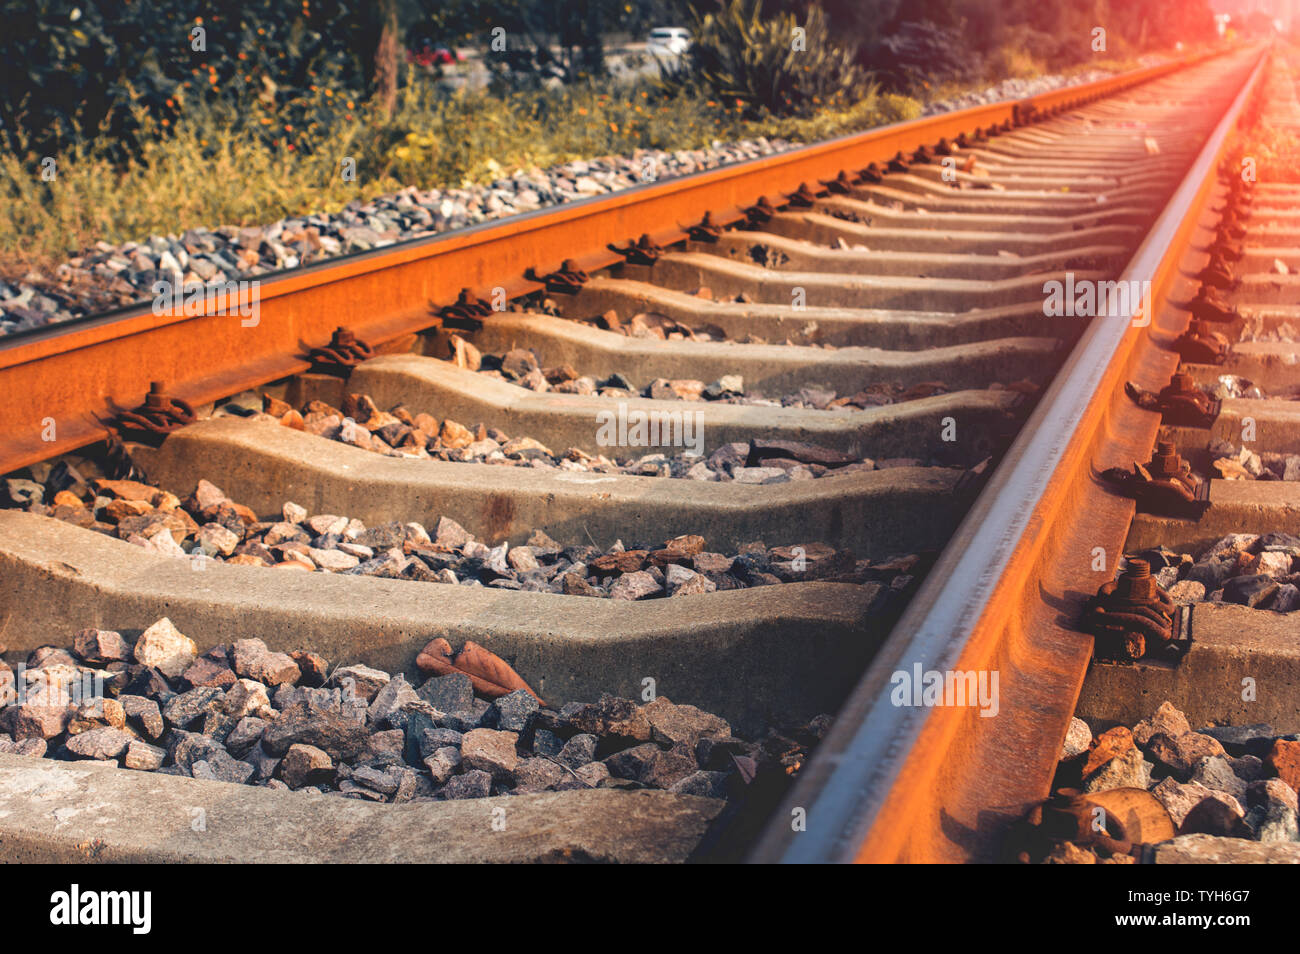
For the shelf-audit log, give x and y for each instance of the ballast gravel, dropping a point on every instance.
(244, 714)
(1222, 787)
(207, 525)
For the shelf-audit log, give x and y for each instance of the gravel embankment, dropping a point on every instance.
(245, 714)
(1017, 88)
(109, 276)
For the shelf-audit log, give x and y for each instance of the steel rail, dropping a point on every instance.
(876, 789)
(64, 383)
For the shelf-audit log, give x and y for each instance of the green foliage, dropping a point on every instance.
(924, 54)
(774, 64)
(212, 167)
(93, 65)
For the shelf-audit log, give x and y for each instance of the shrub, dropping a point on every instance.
(923, 54)
(737, 55)
(77, 66)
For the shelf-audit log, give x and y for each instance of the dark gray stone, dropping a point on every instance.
(264, 764)
(343, 738)
(653, 766)
(380, 781)
(1240, 740)
(473, 784)
(433, 739)
(451, 693)
(547, 743)
(513, 712)
(464, 721)
(386, 748)
(186, 748)
(538, 775)
(220, 766)
(245, 734)
(705, 784)
(578, 751)
(1248, 590)
(184, 709)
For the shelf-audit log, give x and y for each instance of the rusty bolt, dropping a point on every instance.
(1165, 463)
(1136, 582)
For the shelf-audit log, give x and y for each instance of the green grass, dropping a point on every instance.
(252, 165)
(256, 161)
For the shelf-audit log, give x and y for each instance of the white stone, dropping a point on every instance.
(165, 648)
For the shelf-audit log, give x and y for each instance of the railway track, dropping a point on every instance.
(708, 451)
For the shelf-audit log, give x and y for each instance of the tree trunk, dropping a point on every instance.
(386, 59)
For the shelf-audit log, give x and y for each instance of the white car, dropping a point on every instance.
(668, 41)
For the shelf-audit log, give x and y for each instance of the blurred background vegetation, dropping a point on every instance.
(165, 114)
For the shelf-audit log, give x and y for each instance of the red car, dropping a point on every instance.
(429, 55)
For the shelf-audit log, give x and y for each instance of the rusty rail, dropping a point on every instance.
(63, 383)
(900, 784)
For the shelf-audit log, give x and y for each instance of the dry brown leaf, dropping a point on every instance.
(491, 675)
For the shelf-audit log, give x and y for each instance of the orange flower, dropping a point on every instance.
(582, 110)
